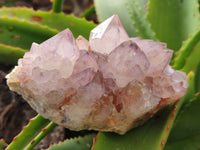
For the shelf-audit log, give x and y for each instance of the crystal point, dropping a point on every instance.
(110, 30)
(62, 44)
(111, 83)
(159, 56)
(82, 43)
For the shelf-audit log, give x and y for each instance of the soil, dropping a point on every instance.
(76, 7)
(14, 111)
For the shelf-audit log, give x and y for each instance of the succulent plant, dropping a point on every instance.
(173, 127)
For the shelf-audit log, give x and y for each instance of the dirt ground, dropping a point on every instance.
(14, 111)
(70, 6)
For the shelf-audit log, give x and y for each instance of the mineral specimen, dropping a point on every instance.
(111, 83)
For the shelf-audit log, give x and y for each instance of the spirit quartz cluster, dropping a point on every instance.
(109, 83)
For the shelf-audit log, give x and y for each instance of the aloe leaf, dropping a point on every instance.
(197, 79)
(189, 143)
(29, 134)
(192, 61)
(88, 12)
(58, 21)
(152, 135)
(41, 135)
(105, 9)
(57, 6)
(191, 88)
(80, 143)
(187, 58)
(139, 21)
(173, 20)
(185, 133)
(22, 33)
(9, 3)
(10, 55)
(3, 144)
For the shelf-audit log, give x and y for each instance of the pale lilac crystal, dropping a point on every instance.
(131, 63)
(106, 36)
(111, 83)
(162, 88)
(82, 43)
(157, 54)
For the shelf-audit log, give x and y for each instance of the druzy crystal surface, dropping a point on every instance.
(109, 83)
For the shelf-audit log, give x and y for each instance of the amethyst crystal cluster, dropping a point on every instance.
(109, 83)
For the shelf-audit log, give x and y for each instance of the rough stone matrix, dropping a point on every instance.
(109, 83)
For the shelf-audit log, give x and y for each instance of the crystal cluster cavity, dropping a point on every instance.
(109, 83)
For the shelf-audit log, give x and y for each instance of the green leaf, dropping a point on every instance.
(80, 143)
(41, 135)
(187, 58)
(186, 130)
(139, 21)
(197, 79)
(10, 55)
(20, 33)
(57, 6)
(192, 61)
(58, 21)
(173, 20)
(88, 12)
(105, 9)
(191, 88)
(189, 143)
(3, 144)
(31, 134)
(9, 3)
